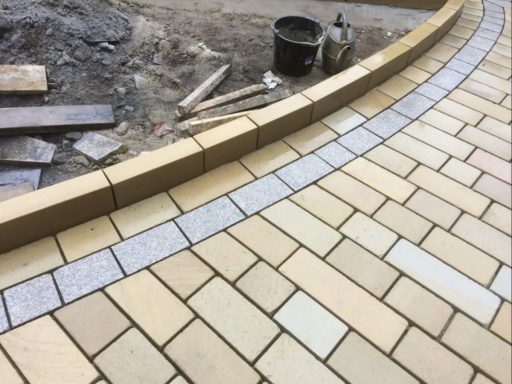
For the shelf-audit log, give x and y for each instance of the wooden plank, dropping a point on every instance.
(201, 92)
(23, 79)
(25, 150)
(244, 105)
(17, 121)
(195, 126)
(229, 98)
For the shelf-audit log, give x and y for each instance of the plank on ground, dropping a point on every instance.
(195, 126)
(229, 98)
(23, 79)
(18, 121)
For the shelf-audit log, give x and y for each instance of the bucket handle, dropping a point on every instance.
(342, 16)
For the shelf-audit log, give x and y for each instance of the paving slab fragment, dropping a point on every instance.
(97, 147)
(26, 79)
(9, 191)
(25, 150)
(12, 175)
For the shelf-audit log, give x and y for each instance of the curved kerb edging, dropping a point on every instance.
(47, 211)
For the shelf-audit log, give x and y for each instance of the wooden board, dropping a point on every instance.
(195, 126)
(28, 79)
(229, 98)
(18, 121)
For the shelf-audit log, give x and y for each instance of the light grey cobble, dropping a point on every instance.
(304, 171)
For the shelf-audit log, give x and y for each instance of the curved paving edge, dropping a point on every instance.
(47, 211)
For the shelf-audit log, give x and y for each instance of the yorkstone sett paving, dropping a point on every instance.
(413, 105)
(149, 247)
(431, 91)
(488, 34)
(335, 154)
(359, 140)
(471, 55)
(31, 299)
(387, 123)
(481, 43)
(460, 66)
(447, 78)
(4, 325)
(304, 171)
(260, 194)
(86, 275)
(209, 219)
(490, 26)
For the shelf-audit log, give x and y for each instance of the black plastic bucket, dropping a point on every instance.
(296, 43)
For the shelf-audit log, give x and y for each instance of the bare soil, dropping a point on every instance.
(160, 55)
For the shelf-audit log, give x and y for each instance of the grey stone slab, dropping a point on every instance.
(481, 43)
(359, 141)
(304, 171)
(471, 55)
(86, 275)
(447, 79)
(11, 175)
(490, 26)
(493, 20)
(431, 91)
(387, 123)
(97, 147)
(488, 34)
(31, 299)
(260, 194)
(10, 191)
(25, 150)
(4, 324)
(209, 219)
(335, 154)
(149, 247)
(413, 105)
(495, 14)
(460, 66)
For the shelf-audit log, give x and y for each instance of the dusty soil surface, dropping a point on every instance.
(159, 56)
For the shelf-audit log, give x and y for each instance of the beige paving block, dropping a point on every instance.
(323, 205)
(87, 238)
(449, 190)
(492, 80)
(143, 215)
(499, 60)
(197, 349)
(442, 121)
(461, 32)
(265, 286)
(481, 105)
(369, 234)
(362, 267)
(391, 160)
(403, 221)
(494, 67)
(481, 379)
(430, 361)
(466, 23)
(9, 374)
(28, 261)
(382, 180)
(461, 171)
(485, 237)
(441, 52)
(310, 138)
(228, 142)
(353, 192)
(495, 189)
(183, 272)
(93, 322)
(132, 359)
(269, 158)
(433, 208)
(179, 380)
(427, 64)
(499, 217)
(386, 62)
(417, 150)
(150, 305)
(485, 350)
(209, 186)
(460, 255)
(359, 362)
(502, 324)
(502, 49)
(459, 111)
(453, 41)
(491, 164)
(287, 362)
(44, 354)
(482, 90)
(345, 299)
(226, 255)
(238, 321)
(264, 239)
(397, 87)
(414, 74)
(487, 142)
(372, 103)
(303, 227)
(420, 39)
(439, 139)
(344, 120)
(419, 305)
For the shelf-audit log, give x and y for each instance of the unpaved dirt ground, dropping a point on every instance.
(160, 56)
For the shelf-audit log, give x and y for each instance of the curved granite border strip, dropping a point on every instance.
(33, 216)
(44, 293)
